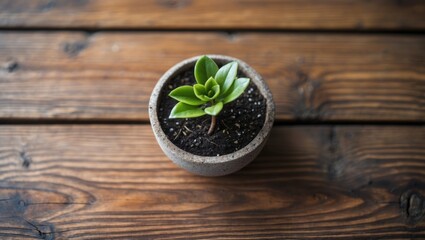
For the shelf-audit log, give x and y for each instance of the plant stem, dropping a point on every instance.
(213, 124)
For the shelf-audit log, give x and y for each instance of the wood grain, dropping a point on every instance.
(313, 77)
(113, 182)
(218, 14)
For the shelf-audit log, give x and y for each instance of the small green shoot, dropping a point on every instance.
(214, 88)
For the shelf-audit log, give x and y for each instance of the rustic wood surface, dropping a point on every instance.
(345, 160)
(112, 181)
(326, 77)
(223, 14)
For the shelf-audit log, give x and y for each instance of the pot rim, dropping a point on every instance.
(187, 156)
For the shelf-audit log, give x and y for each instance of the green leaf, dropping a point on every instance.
(214, 109)
(205, 68)
(216, 90)
(236, 90)
(210, 83)
(186, 95)
(201, 92)
(183, 110)
(226, 76)
(199, 89)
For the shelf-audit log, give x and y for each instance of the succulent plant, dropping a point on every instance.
(214, 88)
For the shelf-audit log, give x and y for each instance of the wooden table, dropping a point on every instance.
(346, 158)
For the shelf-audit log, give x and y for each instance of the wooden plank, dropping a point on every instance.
(113, 181)
(109, 76)
(218, 14)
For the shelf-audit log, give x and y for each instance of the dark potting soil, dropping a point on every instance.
(237, 124)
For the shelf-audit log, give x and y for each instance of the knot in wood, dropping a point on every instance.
(11, 66)
(412, 206)
(174, 3)
(74, 48)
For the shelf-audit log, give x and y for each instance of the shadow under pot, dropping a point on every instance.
(242, 126)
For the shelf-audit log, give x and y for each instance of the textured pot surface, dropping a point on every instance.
(214, 165)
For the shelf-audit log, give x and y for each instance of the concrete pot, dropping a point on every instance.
(214, 165)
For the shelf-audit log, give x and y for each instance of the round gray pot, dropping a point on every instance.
(215, 165)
